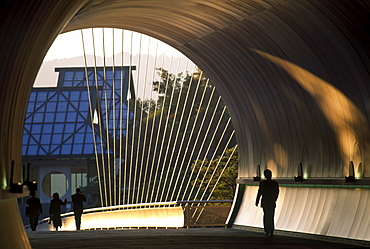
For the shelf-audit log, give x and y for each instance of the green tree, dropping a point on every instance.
(217, 178)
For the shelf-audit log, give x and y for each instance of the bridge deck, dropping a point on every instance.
(172, 238)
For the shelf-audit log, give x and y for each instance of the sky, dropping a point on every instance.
(104, 46)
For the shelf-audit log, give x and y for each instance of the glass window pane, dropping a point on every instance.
(56, 139)
(34, 141)
(89, 149)
(27, 127)
(75, 104)
(32, 150)
(55, 150)
(32, 96)
(41, 96)
(77, 149)
(42, 151)
(118, 73)
(75, 95)
(53, 96)
(45, 148)
(84, 95)
(82, 116)
(80, 137)
(68, 75)
(70, 128)
(71, 117)
(45, 139)
(67, 138)
(79, 75)
(67, 83)
(30, 107)
(25, 139)
(62, 106)
(66, 149)
(48, 128)
(35, 137)
(49, 117)
(38, 118)
(109, 74)
(24, 149)
(89, 138)
(71, 108)
(36, 128)
(58, 128)
(60, 117)
(50, 106)
(84, 106)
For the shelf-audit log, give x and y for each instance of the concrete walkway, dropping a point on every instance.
(172, 238)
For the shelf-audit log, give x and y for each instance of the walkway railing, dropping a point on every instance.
(155, 215)
(205, 213)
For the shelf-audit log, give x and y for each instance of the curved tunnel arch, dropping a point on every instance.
(246, 47)
(292, 73)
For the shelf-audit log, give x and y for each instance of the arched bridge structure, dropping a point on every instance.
(294, 75)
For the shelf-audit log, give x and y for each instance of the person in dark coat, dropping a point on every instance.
(269, 190)
(78, 198)
(54, 210)
(33, 210)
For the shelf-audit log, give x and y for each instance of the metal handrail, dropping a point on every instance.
(111, 208)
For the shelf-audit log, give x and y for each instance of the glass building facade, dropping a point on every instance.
(59, 120)
(67, 127)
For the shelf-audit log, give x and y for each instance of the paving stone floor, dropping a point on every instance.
(173, 238)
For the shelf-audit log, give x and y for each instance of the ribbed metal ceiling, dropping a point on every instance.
(294, 74)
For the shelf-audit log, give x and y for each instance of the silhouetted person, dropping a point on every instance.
(269, 190)
(78, 198)
(33, 210)
(54, 210)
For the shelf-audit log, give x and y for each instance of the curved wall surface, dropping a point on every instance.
(294, 74)
(330, 211)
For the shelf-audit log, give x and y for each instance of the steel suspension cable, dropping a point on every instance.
(140, 123)
(190, 111)
(189, 139)
(159, 130)
(207, 151)
(196, 141)
(152, 133)
(121, 128)
(105, 90)
(92, 118)
(132, 136)
(143, 152)
(201, 149)
(186, 128)
(176, 138)
(165, 132)
(114, 124)
(213, 156)
(217, 181)
(100, 120)
(216, 167)
(222, 172)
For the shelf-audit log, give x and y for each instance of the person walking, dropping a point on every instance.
(33, 210)
(54, 210)
(78, 198)
(269, 191)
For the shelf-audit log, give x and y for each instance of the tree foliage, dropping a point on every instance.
(217, 178)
